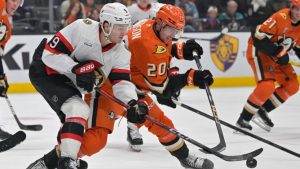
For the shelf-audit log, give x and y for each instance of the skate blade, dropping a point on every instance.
(261, 124)
(135, 148)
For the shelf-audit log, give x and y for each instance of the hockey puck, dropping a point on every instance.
(251, 163)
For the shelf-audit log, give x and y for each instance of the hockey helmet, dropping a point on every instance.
(172, 16)
(295, 3)
(114, 13)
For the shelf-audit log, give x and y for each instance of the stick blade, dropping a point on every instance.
(12, 141)
(36, 127)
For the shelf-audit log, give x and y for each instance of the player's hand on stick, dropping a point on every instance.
(190, 46)
(137, 111)
(199, 78)
(282, 57)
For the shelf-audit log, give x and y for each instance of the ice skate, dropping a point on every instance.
(193, 162)
(134, 137)
(242, 124)
(38, 164)
(262, 119)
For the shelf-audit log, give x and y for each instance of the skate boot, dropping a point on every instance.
(67, 163)
(262, 119)
(193, 162)
(50, 160)
(4, 135)
(38, 164)
(243, 124)
(134, 137)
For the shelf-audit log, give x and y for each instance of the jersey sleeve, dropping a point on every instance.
(58, 50)
(269, 28)
(119, 77)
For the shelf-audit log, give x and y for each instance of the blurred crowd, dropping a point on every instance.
(201, 15)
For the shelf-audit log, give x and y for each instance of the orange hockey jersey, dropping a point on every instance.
(5, 27)
(150, 58)
(278, 27)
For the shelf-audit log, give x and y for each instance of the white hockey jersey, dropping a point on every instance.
(138, 13)
(80, 41)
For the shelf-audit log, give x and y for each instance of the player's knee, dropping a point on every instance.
(266, 87)
(94, 140)
(75, 107)
(292, 87)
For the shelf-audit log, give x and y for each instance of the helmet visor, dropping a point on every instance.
(175, 33)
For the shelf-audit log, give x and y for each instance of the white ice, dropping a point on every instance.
(32, 109)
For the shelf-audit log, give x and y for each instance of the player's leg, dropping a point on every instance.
(263, 68)
(134, 137)
(288, 86)
(175, 145)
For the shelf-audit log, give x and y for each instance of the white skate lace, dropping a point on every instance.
(194, 161)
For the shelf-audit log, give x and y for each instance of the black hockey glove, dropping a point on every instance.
(190, 46)
(185, 50)
(168, 101)
(85, 76)
(137, 111)
(199, 77)
(3, 85)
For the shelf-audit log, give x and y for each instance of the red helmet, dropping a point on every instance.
(295, 3)
(171, 15)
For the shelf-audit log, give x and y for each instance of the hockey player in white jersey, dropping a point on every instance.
(143, 9)
(79, 56)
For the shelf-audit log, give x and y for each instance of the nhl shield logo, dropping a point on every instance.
(224, 51)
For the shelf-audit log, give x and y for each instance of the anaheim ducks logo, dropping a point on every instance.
(160, 49)
(224, 51)
(283, 15)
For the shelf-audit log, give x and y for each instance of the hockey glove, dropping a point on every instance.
(199, 78)
(185, 50)
(85, 76)
(282, 57)
(137, 111)
(168, 101)
(3, 85)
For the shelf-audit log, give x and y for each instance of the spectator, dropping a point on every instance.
(203, 5)
(211, 22)
(231, 18)
(88, 6)
(192, 20)
(94, 14)
(75, 11)
(65, 5)
(257, 13)
(275, 5)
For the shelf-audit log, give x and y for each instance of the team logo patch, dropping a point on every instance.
(87, 21)
(283, 15)
(160, 49)
(111, 115)
(224, 51)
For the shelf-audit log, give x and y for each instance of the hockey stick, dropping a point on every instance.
(222, 145)
(12, 141)
(246, 156)
(36, 127)
(294, 63)
(223, 31)
(236, 128)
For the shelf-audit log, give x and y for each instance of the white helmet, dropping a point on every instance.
(114, 13)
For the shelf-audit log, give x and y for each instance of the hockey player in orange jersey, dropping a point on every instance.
(150, 44)
(268, 57)
(7, 9)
